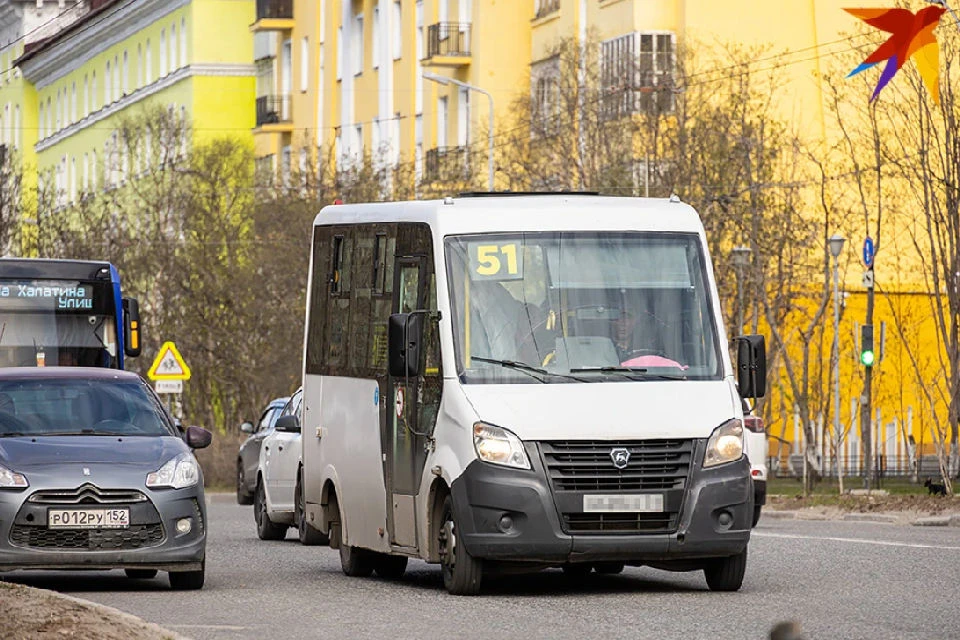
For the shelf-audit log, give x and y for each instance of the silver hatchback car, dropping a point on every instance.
(95, 475)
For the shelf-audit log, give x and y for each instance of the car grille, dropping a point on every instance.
(133, 537)
(587, 466)
(87, 494)
(576, 468)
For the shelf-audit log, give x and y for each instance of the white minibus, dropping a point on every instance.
(497, 382)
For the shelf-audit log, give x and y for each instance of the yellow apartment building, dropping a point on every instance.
(190, 56)
(367, 76)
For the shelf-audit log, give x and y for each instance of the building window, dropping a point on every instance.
(139, 66)
(442, 121)
(356, 42)
(340, 53)
(86, 96)
(93, 91)
(376, 36)
(173, 48)
(16, 127)
(163, 52)
(398, 30)
(636, 73)
(116, 77)
(545, 95)
(106, 85)
(657, 67)
(183, 41)
(42, 130)
(545, 7)
(148, 64)
(304, 64)
(73, 102)
(358, 141)
(126, 74)
(463, 117)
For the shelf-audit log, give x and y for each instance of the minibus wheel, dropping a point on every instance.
(307, 534)
(354, 561)
(726, 574)
(461, 571)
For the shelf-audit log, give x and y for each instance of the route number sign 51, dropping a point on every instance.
(501, 261)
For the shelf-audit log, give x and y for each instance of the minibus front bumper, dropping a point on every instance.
(515, 515)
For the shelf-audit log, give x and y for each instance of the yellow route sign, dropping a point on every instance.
(169, 364)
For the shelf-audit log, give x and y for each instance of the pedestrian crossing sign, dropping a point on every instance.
(169, 364)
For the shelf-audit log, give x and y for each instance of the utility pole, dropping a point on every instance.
(867, 359)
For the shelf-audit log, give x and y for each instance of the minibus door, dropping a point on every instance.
(406, 454)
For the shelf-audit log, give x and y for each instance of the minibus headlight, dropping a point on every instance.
(499, 446)
(725, 444)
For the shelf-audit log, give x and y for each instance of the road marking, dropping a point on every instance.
(882, 543)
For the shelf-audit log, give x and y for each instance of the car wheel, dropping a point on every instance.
(390, 567)
(141, 574)
(462, 572)
(726, 574)
(266, 529)
(243, 496)
(307, 534)
(187, 580)
(608, 568)
(756, 515)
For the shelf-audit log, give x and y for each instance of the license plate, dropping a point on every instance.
(647, 502)
(88, 518)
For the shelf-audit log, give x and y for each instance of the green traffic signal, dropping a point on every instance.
(866, 345)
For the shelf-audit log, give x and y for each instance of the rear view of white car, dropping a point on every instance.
(278, 501)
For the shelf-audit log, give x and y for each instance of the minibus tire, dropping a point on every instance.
(307, 534)
(354, 561)
(390, 567)
(464, 577)
(726, 574)
(266, 528)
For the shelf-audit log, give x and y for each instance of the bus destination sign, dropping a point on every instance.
(39, 294)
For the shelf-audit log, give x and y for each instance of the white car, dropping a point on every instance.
(278, 501)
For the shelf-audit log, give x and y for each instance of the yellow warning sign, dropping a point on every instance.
(169, 364)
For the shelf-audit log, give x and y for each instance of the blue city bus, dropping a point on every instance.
(65, 313)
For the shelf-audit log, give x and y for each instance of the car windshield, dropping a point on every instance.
(581, 307)
(38, 407)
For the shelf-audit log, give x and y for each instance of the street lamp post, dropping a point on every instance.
(444, 80)
(741, 258)
(836, 247)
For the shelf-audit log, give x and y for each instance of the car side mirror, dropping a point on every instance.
(246, 427)
(752, 366)
(404, 335)
(198, 437)
(288, 423)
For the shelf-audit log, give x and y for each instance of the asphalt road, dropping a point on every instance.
(839, 579)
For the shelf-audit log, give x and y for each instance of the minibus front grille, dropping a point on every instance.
(589, 466)
(619, 522)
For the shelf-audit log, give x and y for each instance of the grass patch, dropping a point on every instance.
(829, 486)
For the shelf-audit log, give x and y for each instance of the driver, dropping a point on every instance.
(623, 333)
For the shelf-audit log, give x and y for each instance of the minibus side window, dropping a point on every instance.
(319, 301)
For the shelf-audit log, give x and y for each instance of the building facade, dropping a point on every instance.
(190, 56)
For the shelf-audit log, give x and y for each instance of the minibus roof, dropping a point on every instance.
(507, 213)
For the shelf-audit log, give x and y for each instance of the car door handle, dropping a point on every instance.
(280, 448)
(267, 448)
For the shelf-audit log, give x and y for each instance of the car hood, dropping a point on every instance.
(608, 411)
(29, 452)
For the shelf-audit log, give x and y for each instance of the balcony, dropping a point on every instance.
(448, 44)
(546, 8)
(274, 113)
(273, 15)
(446, 164)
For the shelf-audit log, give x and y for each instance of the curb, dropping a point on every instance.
(116, 613)
(779, 515)
(871, 517)
(938, 521)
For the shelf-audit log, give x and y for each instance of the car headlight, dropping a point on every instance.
(499, 446)
(725, 444)
(12, 479)
(178, 473)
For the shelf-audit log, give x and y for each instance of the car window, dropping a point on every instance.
(293, 405)
(265, 421)
(79, 406)
(299, 408)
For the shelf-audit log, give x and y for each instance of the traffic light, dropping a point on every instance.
(866, 345)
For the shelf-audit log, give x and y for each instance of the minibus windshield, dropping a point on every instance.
(581, 307)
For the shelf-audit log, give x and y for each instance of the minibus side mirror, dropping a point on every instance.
(131, 327)
(752, 366)
(404, 335)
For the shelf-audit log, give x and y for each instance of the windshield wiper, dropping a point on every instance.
(527, 369)
(632, 373)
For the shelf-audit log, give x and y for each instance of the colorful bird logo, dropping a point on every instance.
(912, 37)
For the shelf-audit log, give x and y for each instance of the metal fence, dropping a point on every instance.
(791, 466)
(273, 109)
(274, 9)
